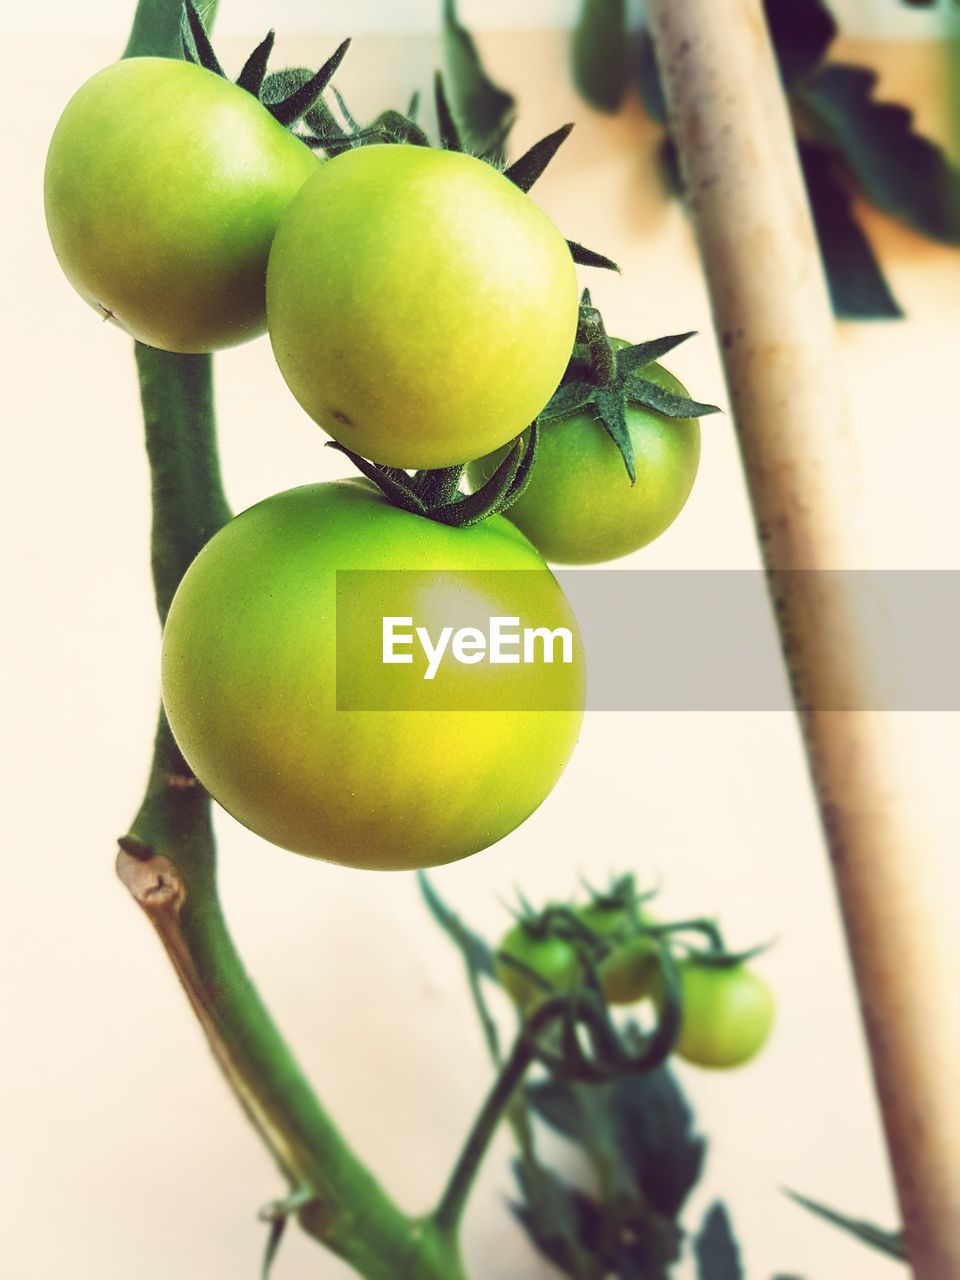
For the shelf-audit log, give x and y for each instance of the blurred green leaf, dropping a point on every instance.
(600, 53)
(858, 289)
(901, 172)
(801, 32)
(484, 111)
(718, 1257)
(473, 948)
(889, 1242)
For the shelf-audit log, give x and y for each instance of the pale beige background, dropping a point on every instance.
(123, 1154)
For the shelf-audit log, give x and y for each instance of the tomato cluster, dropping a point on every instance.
(615, 948)
(424, 311)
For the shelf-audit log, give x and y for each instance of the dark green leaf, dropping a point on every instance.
(473, 948)
(200, 40)
(666, 402)
(648, 80)
(901, 172)
(292, 108)
(653, 1127)
(632, 359)
(274, 1239)
(668, 162)
(449, 133)
(889, 1242)
(255, 68)
(524, 172)
(562, 1222)
(801, 31)
(858, 289)
(600, 53)
(718, 1257)
(590, 258)
(612, 413)
(485, 111)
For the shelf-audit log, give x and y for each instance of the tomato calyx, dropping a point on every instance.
(289, 96)
(437, 495)
(604, 378)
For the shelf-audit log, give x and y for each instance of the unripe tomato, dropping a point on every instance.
(251, 680)
(579, 507)
(631, 972)
(164, 185)
(421, 307)
(728, 1014)
(554, 959)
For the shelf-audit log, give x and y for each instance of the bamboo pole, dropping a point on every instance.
(731, 124)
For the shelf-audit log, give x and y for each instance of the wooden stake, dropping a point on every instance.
(729, 118)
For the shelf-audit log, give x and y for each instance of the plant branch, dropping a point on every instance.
(449, 1211)
(168, 859)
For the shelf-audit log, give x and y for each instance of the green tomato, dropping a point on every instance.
(728, 1014)
(553, 959)
(606, 919)
(163, 188)
(422, 309)
(579, 507)
(631, 972)
(251, 682)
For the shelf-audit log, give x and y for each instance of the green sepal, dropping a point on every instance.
(439, 486)
(723, 959)
(436, 494)
(393, 483)
(450, 139)
(292, 108)
(500, 492)
(195, 41)
(568, 398)
(523, 173)
(344, 109)
(632, 359)
(254, 69)
(400, 128)
(611, 409)
(605, 381)
(641, 391)
(585, 257)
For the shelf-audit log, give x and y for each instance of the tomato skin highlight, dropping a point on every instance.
(728, 1014)
(249, 678)
(422, 309)
(579, 507)
(163, 188)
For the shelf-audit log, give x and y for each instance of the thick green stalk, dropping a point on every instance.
(168, 859)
